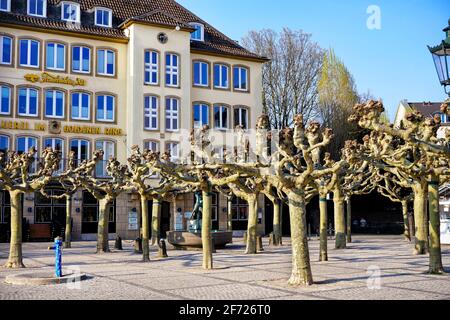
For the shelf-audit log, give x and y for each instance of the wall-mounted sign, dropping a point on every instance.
(22, 125)
(49, 78)
(93, 130)
(133, 221)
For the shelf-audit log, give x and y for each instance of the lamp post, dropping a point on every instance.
(441, 58)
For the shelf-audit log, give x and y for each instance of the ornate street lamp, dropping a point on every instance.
(441, 57)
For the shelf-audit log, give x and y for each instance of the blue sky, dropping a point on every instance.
(393, 62)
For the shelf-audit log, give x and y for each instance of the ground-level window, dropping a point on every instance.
(239, 209)
(214, 206)
(90, 212)
(48, 210)
(5, 207)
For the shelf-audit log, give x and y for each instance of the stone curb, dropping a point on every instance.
(42, 278)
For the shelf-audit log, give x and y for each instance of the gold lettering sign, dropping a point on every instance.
(92, 130)
(46, 77)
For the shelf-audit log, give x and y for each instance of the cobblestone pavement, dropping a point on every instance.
(350, 273)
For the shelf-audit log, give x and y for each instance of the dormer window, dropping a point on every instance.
(444, 118)
(199, 33)
(37, 8)
(103, 17)
(5, 5)
(70, 12)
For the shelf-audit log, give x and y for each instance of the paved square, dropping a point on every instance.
(121, 275)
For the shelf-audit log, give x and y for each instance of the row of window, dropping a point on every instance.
(55, 101)
(29, 56)
(80, 147)
(70, 11)
(201, 72)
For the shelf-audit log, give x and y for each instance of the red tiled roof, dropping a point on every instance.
(158, 12)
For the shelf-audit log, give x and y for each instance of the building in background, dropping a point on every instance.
(109, 74)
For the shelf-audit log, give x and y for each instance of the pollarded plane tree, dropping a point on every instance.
(360, 179)
(150, 186)
(391, 188)
(19, 175)
(105, 191)
(412, 152)
(296, 165)
(203, 174)
(69, 182)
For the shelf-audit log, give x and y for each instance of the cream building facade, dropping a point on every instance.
(110, 74)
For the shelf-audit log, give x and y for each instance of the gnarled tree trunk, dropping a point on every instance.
(277, 239)
(323, 255)
(435, 224)
(103, 220)
(420, 218)
(156, 221)
(349, 220)
(68, 232)
(406, 231)
(339, 219)
(15, 259)
(301, 267)
(252, 225)
(229, 213)
(145, 229)
(206, 230)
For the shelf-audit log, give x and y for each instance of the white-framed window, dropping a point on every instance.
(445, 118)
(28, 102)
(5, 100)
(5, 5)
(151, 74)
(151, 114)
(106, 106)
(29, 53)
(6, 48)
(56, 144)
(103, 17)
(81, 59)
(201, 74)
(80, 106)
(172, 69)
(37, 8)
(221, 76)
(174, 150)
(81, 149)
(23, 145)
(240, 78)
(54, 104)
(4, 143)
(221, 117)
(199, 33)
(55, 56)
(200, 115)
(106, 60)
(151, 145)
(172, 107)
(70, 11)
(108, 148)
(241, 117)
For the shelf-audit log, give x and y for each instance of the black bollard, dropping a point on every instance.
(162, 250)
(118, 244)
(213, 245)
(259, 245)
(138, 245)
